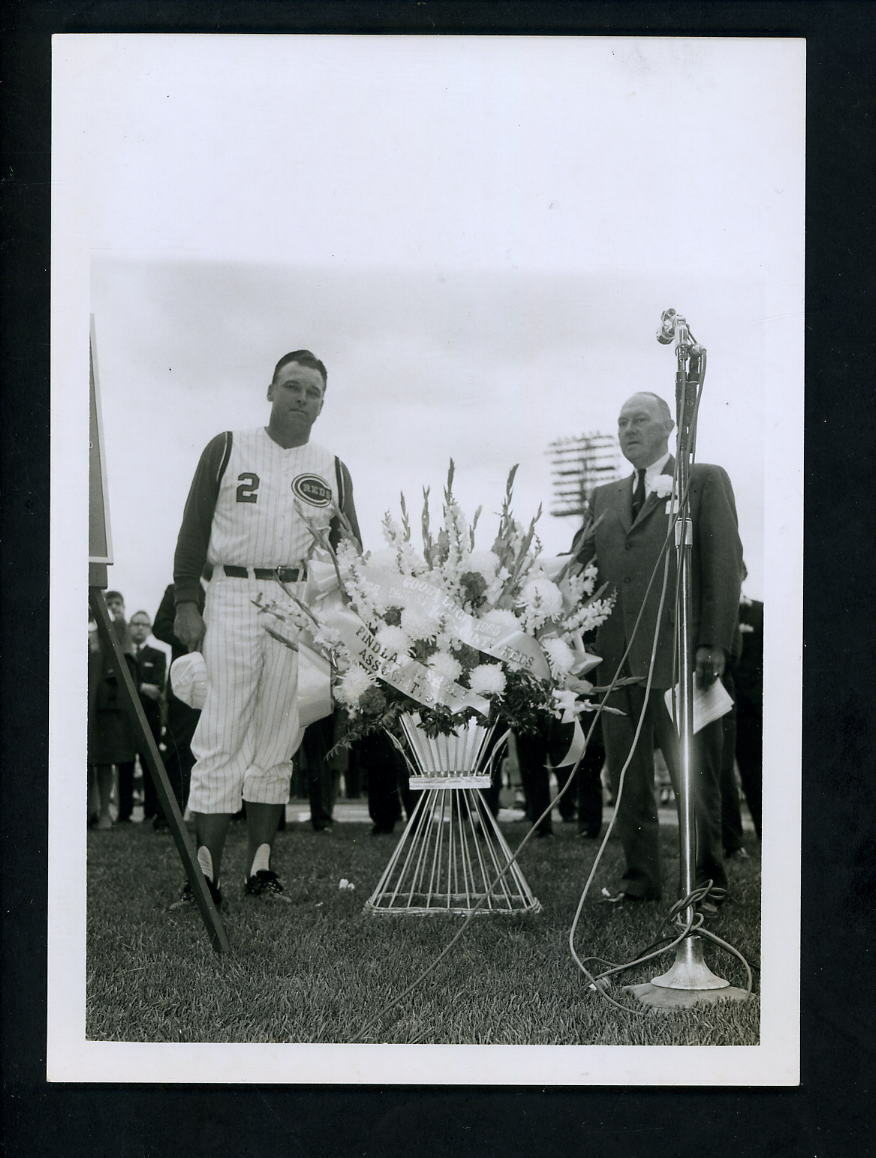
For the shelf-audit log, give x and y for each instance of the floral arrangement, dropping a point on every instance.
(445, 629)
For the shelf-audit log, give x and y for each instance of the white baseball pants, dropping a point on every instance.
(249, 727)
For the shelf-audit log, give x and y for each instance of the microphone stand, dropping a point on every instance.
(689, 980)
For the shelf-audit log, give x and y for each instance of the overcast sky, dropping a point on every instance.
(476, 235)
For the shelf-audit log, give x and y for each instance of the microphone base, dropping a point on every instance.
(658, 997)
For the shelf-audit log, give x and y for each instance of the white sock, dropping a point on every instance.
(261, 860)
(205, 860)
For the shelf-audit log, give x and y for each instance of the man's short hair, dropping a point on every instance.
(303, 358)
(145, 614)
(661, 402)
(108, 595)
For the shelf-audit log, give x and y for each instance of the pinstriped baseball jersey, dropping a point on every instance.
(255, 521)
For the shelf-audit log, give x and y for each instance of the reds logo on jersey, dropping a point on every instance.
(312, 489)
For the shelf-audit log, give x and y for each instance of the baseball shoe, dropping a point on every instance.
(266, 883)
(186, 898)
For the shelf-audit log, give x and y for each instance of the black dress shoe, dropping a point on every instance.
(623, 898)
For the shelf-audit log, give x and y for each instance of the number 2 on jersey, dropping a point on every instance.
(248, 485)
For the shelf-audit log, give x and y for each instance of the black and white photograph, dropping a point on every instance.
(440, 535)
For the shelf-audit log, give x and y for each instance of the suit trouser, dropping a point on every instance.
(321, 776)
(150, 795)
(378, 762)
(637, 821)
(533, 753)
(749, 752)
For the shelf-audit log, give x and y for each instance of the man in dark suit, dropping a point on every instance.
(631, 529)
(151, 667)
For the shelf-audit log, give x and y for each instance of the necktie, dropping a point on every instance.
(639, 492)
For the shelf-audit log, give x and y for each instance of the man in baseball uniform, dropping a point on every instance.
(242, 524)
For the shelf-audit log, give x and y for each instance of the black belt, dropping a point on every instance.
(284, 574)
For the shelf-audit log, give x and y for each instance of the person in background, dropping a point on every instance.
(110, 728)
(743, 737)
(380, 766)
(181, 719)
(115, 605)
(151, 665)
(125, 769)
(320, 774)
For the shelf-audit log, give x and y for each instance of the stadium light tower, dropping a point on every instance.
(578, 464)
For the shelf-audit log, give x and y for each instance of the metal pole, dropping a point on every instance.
(689, 972)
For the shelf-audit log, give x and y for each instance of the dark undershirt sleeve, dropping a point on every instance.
(348, 507)
(194, 534)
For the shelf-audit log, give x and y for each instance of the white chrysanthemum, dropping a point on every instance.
(394, 639)
(560, 655)
(485, 563)
(487, 679)
(544, 595)
(418, 624)
(352, 685)
(444, 664)
(503, 617)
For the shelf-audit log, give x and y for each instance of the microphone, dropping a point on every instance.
(667, 327)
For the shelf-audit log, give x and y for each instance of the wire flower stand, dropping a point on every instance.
(452, 857)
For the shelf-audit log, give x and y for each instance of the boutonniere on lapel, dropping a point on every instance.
(661, 486)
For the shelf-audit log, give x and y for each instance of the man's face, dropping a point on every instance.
(297, 395)
(643, 430)
(116, 607)
(140, 628)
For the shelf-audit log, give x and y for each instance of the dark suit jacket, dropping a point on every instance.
(747, 663)
(151, 669)
(627, 551)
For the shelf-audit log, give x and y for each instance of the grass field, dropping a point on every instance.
(319, 969)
